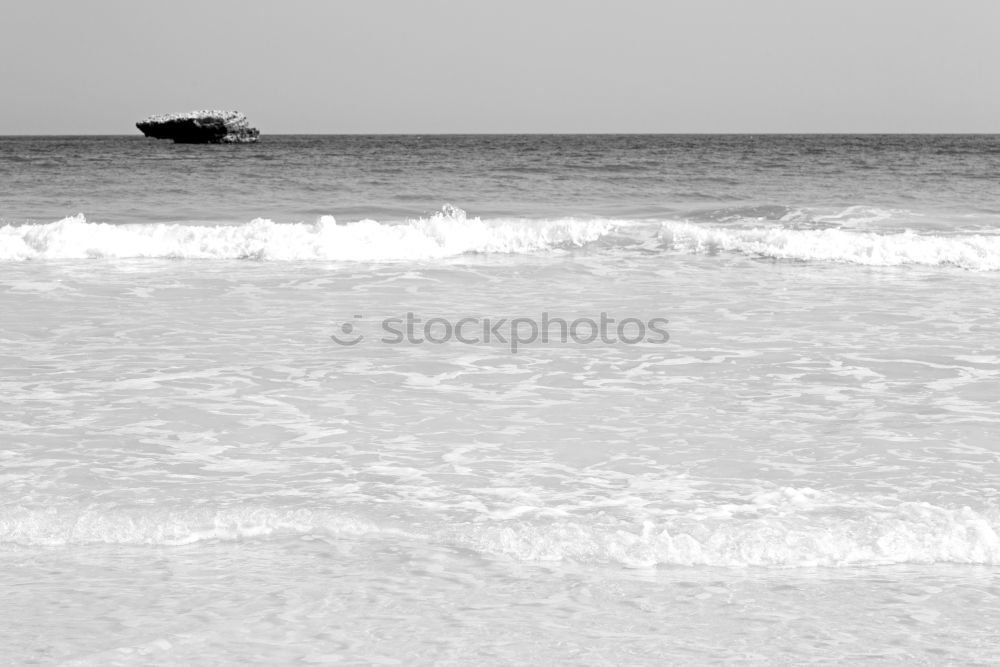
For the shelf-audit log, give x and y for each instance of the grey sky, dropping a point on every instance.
(426, 66)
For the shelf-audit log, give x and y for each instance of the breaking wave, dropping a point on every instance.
(910, 533)
(976, 252)
(55, 528)
(782, 528)
(451, 233)
(445, 234)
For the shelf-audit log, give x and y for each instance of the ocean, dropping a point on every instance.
(500, 399)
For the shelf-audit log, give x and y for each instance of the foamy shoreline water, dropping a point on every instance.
(194, 470)
(855, 532)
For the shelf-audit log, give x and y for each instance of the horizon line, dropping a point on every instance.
(501, 134)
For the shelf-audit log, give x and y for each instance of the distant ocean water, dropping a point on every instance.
(193, 470)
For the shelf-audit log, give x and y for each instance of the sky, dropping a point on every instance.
(471, 66)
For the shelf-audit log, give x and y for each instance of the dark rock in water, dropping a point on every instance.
(201, 127)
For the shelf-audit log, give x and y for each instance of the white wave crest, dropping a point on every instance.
(451, 233)
(781, 528)
(912, 533)
(446, 234)
(976, 252)
(52, 528)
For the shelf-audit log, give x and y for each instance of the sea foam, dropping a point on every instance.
(450, 233)
(164, 527)
(975, 252)
(909, 533)
(783, 528)
(446, 234)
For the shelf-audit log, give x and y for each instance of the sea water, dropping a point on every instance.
(214, 449)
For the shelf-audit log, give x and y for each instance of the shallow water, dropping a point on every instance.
(194, 470)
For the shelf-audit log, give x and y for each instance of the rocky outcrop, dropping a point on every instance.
(201, 127)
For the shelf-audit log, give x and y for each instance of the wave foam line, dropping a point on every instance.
(450, 233)
(785, 528)
(911, 533)
(446, 234)
(51, 528)
(974, 252)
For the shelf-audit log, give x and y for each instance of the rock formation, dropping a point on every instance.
(201, 127)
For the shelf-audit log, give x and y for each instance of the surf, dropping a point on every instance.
(452, 233)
